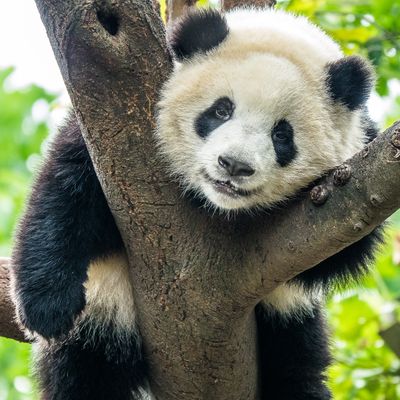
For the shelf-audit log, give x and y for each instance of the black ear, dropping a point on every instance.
(350, 81)
(198, 32)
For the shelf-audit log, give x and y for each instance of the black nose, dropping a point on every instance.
(235, 167)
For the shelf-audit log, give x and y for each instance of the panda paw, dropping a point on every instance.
(51, 313)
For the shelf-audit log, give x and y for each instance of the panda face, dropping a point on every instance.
(243, 142)
(247, 129)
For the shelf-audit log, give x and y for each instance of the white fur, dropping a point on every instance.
(109, 299)
(273, 66)
(109, 296)
(292, 300)
(147, 395)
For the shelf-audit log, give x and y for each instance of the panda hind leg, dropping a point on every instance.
(87, 366)
(294, 356)
(101, 358)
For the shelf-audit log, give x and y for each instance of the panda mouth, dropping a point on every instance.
(227, 188)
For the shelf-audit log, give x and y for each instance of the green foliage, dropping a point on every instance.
(23, 128)
(369, 27)
(365, 368)
(15, 383)
(22, 132)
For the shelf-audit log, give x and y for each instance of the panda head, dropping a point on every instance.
(260, 104)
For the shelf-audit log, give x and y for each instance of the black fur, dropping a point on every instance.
(350, 81)
(283, 141)
(198, 32)
(208, 120)
(293, 356)
(104, 368)
(369, 126)
(66, 225)
(348, 265)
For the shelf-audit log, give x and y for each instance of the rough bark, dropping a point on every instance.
(156, 6)
(8, 326)
(229, 4)
(196, 279)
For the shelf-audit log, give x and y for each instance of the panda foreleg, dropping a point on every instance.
(71, 282)
(101, 358)
(67, 224)
(293, 352)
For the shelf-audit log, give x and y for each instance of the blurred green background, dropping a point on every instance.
(365, 367)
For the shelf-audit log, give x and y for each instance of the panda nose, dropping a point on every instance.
(235, 167)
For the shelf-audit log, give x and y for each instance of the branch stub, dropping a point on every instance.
(319, 195)
(342, 175)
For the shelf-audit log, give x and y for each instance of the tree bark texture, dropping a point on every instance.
(156, 6)
(8, 326)
(196, 280)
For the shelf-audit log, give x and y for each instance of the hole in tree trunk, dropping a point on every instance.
(109, 21)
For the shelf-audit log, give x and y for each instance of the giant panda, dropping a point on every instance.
(260, 104)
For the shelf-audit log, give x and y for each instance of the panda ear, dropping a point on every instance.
(198, 32)
(350, 81)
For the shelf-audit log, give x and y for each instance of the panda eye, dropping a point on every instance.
(282, 132)
(222, 113)
(223, 109)
(280, 136)
(283, 140)
(214, 116)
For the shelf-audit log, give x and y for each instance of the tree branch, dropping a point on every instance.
(8, 327)
(305, 234)
(196, 279)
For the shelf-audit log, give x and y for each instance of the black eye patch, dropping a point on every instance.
(282, 139)
(214, 116)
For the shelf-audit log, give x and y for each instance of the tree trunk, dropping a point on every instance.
(196, 280)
